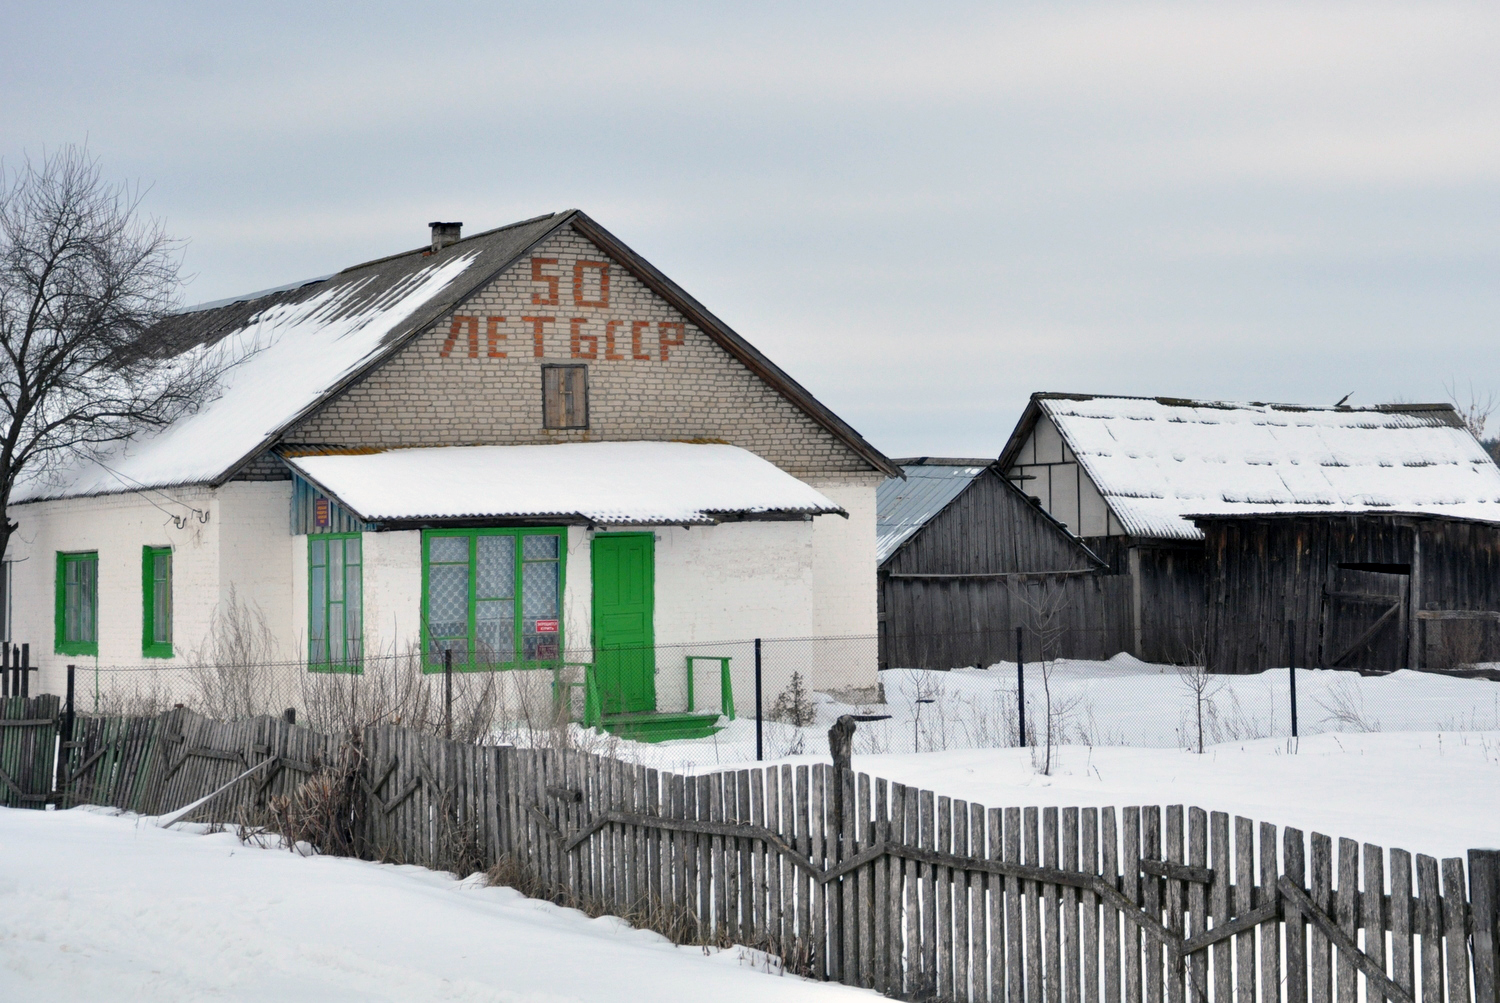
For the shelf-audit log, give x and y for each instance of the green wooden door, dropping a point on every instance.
(624, 565)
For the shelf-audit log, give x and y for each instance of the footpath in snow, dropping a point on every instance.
(100, 906)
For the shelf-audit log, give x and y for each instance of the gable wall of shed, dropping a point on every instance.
(988, 529)
(1046, 469)
(479, 381)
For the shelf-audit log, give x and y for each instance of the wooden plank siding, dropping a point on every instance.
(951, 595)
(1334, 576)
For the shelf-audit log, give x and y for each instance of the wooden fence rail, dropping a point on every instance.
(873, 883)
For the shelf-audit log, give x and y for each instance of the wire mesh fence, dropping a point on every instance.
(736, 701)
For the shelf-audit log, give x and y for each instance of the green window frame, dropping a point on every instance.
(335, 602)
(76, 622)
(156, 602)
(493, 597)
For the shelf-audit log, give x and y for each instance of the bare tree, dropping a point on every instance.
(1476, 413)
(85, 281)
(1202, 685)
(1046, 609)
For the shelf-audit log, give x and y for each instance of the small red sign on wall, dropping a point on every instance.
(320, 512)
(546, 626)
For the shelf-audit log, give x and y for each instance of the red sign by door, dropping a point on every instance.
(546, 626)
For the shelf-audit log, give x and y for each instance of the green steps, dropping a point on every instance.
(654, 727)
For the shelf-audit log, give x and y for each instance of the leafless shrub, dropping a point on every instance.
(1459, 644)
(228, 669)
(1233, 723)
(323, 811)
(1345, 705)
(678, 924)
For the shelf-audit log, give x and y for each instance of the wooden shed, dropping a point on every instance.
(964, 558)
(1127, 475)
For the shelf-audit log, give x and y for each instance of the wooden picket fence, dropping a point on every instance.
(28, 738)
(868, 882)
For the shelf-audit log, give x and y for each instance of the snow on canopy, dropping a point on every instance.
(903, 506)
(293, 347)
(1158, 462)
(610, 483)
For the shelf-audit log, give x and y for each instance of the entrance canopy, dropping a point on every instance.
(605, 483)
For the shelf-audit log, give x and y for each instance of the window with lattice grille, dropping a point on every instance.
(492, 598)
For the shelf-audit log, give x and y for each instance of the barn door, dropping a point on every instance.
(1364, 617)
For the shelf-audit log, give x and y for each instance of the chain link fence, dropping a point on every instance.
(736, 701)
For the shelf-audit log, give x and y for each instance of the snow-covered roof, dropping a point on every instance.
(609, 483)
(903, 506)
(296, 346)
(300, 345)
(1160, 461)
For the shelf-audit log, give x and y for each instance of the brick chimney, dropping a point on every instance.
(444, 234)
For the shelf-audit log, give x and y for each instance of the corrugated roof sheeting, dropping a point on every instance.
(1157, 462)
(903, 506)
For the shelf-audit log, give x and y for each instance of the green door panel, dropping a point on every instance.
(624, 596)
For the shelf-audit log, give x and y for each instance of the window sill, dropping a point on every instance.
(77, 648)
(156, 651)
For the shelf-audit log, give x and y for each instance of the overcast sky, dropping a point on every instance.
(923, 211)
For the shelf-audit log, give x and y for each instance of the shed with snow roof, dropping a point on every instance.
(965, 558)
(527, 449)
(1143, 481)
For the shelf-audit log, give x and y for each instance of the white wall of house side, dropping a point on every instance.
(578, 593)
(844, 587)
(1054, 475)
(117, 527)
(255, 559)
(733, 581)
(392, 592)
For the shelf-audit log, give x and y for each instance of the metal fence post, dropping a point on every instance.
(447, 692)
(67, 723)
(1291, 668)
(759, 743)
(1020, 690)
(25, 670)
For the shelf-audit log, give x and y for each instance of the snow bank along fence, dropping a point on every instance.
(854, 878)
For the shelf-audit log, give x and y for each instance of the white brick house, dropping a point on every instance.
(537, 399)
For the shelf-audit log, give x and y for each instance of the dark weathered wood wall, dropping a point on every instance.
(990, 528)
(948, 596)
(950, 623)
(1170, 596)
(1263, 572)
(955, 592)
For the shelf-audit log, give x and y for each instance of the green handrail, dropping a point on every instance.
(726, 685)
(561, 689)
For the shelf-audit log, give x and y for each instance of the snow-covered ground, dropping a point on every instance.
(98, 906)
(1410, 759)
(1119, 702)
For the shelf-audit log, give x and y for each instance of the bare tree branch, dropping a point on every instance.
(84, 281)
